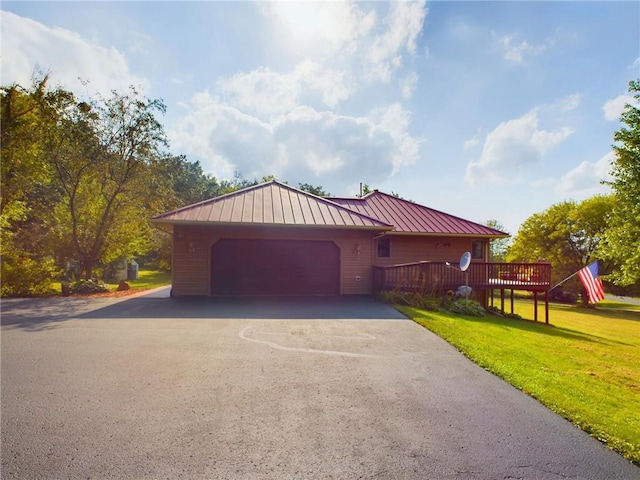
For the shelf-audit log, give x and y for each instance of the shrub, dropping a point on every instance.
(467, 307)
(89, 286)
(414, 299)
(497, 311)
(23, 276)
(432, 301)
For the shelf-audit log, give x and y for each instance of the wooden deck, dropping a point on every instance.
(440, 277)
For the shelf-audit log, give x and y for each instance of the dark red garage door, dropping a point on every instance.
(275, 267)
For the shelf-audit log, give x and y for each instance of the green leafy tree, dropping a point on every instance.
(364, 190)
(27, 194)
(568, 235)
(314, 190)
(101, 153)
(499, 246)
(623, 236)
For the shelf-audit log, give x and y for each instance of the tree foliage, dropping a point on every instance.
(499, 246)
(101, 153)
(623, 236)
(313, 189)
(77, 181)
(27, 193)
(568, 235)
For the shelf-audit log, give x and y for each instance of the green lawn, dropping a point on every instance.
(148, 279)
(584, 366)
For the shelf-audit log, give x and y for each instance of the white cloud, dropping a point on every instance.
(585, 180)
(515, 52)
(29, 46)
(263, 92)
(408, 85)
(511, 146)
(294, 123)
(362, 44)
(568, 103)
(298, 145)
(613, 108)
(333, 85)
(404, 24)
(472, 142)
(321, 28)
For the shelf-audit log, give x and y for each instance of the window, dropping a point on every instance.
(477, 249)
(384, 247)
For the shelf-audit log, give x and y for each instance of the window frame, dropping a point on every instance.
(383, 251)
(477, 249)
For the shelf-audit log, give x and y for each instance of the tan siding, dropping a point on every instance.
(191, 270)
(355, 264)
(408, 249)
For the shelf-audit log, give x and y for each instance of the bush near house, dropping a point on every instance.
(433, 302)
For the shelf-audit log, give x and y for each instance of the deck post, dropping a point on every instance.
(512, 301)
(535, 306)
(546, 307)
(502, 300)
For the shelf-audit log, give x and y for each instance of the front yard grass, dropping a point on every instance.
(148, 279)
(585, 366)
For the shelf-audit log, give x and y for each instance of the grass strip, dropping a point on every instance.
(585, 366)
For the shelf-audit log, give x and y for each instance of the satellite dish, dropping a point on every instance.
(465, 261)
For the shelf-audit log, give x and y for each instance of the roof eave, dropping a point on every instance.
(447, 234)
(191, 223)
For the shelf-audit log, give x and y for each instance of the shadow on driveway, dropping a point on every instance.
(268, 308)
(45, 313)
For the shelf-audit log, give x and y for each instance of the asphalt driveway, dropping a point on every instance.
(312, 388)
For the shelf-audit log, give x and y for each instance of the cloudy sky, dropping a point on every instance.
(486, 110)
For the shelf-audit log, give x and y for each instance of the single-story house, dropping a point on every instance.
(273, 239)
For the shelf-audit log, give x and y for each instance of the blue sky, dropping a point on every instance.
(485, 110)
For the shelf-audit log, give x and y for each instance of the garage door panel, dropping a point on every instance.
(274, 267)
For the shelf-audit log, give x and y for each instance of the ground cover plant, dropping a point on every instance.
(585, 366)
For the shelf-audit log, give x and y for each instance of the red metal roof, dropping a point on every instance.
(411, 218)
(271, 203)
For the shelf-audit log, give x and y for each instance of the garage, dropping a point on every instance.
(275, 267)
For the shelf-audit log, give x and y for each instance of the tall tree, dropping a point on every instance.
(623, 236)
(26, 193)
(568, 235)
(101, 152)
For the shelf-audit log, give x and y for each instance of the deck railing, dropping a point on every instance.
(440, 276)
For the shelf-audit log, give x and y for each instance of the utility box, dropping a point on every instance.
(132, 270)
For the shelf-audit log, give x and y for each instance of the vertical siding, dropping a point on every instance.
(355, 262)
(191, 270)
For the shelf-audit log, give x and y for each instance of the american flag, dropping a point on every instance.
(589, 278)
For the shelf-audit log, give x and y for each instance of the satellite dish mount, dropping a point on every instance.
(465, 261)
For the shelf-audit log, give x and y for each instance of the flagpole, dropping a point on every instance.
(572, 275)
